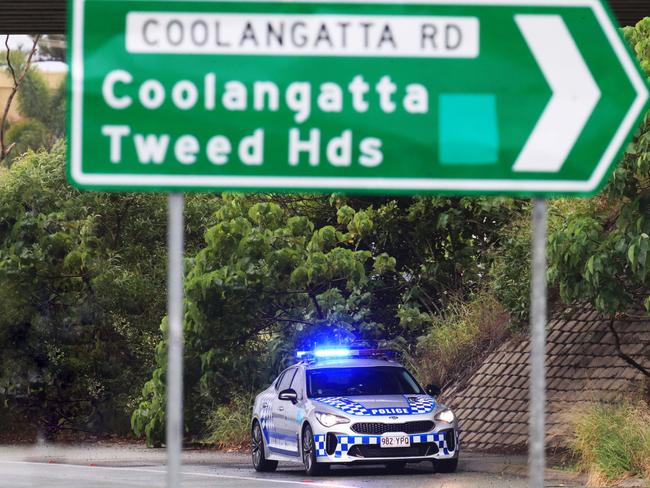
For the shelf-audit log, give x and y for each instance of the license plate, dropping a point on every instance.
(395, 441)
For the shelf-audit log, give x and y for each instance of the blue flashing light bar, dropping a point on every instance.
(342, 352)
(323, 353)
(332, 353)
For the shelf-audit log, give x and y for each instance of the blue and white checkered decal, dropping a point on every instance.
(266, 416)
(418, 404)
(319, 442)
(345, 442)
(344, 404)
(421, 404)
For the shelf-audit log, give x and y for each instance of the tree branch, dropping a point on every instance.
(294, 321)
(628, 359)
(319, 310)
(4, 150)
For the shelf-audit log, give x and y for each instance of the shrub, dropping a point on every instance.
(457, 342)
(511, 258)
(510, 271)
(55, 120)
(228, 427)
(27, 134)
(82, 281)
(612, 442)
(34, 96)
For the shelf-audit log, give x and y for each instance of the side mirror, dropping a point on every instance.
(288, 395)
(433, 390)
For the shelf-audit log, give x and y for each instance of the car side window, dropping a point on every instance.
(286, 379)
(277, 382)
(298, 383)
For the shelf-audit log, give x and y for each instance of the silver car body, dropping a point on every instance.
(358, 441)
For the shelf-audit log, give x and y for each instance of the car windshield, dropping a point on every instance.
(377, 380)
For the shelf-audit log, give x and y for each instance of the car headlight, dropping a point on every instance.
(330, 420)
(445, 415)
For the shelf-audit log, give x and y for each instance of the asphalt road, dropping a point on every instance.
(131, 470)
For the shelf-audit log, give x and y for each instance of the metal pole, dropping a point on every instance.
(536, 450)
(174, 413)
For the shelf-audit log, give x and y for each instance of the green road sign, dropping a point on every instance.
(528, 97)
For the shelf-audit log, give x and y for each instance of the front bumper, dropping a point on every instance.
(336, 447)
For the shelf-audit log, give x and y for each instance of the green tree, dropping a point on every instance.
(83, 292)
(43, 111)
(25, 135)
(443, 249)
(34, 97)
(266, 282)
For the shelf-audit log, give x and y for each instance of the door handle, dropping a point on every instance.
(265, 405)
(280, 409)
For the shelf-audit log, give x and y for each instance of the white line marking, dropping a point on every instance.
(184, 473)
(575, 93)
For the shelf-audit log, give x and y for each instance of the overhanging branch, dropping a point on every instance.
(625, 357)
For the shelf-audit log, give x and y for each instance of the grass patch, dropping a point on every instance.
(612, 442)
(456, 343)
(228, 426)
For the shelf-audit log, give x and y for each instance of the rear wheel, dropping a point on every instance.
(312, 466)
(395, 466)
(445, 465)
(260, 463)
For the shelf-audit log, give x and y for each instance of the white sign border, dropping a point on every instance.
(355, 183)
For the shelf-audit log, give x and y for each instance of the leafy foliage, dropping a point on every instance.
(510, 270)
(443, 249)
(27, 134)
(83, 291)
(34, 95)
(43, 111)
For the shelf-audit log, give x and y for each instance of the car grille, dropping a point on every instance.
(378, 428)
(373, 451)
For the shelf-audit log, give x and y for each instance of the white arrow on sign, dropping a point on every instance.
(575, 93)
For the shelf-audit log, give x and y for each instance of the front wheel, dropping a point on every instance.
(312, 466)
(260, 463)
(445, 465)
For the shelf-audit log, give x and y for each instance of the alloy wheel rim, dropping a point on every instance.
(257, 448)
(307, 450)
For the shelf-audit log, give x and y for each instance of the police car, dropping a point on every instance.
(351, 406)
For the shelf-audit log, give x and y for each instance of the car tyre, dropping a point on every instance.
(395, 467)
(445, 465)
(260, 463)
(312, 466)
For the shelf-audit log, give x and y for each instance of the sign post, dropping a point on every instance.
(531, 98)
(537, 395)
(174, 410)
